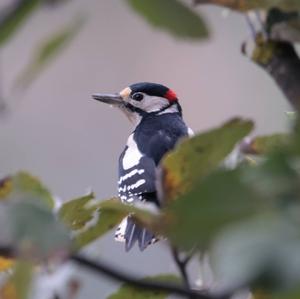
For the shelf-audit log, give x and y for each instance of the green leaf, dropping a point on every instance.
(171, 16)
(17, 17)
(195, 158)
(107, 215)
(262, 145)
(24, 185)
(89, 222)
(75, 214)
(106, 220)
(219, 200)
(263, 253)
(22, 278)
(276, 180)
(245, 5)
(127, 291)
(36, 230)
(142, 216)
(47, 51)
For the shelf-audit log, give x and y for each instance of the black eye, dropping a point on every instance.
(137, 96)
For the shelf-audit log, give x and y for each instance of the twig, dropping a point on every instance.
(118, 275)
(142, 284)
(181, 264)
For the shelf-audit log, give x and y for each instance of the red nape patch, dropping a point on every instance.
(171, 95)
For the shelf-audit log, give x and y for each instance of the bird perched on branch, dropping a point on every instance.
(156, 115)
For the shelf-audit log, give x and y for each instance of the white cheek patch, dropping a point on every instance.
(132, 155)
(150, 103)
(153, 104)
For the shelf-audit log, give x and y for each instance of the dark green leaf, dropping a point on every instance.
(276, 180)
(127, 291)
(15, 18)
(217, 201)
(171, 16)
(36, 229)
(263, 252)
(244, 5)
(194, 158)
(262, 145)
(24, 185)
(47, 51)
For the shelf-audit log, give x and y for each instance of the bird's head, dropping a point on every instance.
(141, 99)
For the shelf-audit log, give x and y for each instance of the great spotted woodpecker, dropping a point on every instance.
(157, 117)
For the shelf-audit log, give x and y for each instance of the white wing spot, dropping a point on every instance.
(132, 155)
(137, 184)
(130, 174)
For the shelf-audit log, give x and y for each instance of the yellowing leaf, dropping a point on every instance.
(220, 199)
(196, 157)
(17, 287)
(5, 187)
(5, 264)
(8, 291)
(25, 185)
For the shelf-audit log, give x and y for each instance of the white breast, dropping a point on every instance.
(132, 155)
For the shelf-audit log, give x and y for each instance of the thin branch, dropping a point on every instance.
(181, 264)
(118, 275)
(142, 284)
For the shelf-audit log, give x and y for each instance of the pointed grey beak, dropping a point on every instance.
(111, 99)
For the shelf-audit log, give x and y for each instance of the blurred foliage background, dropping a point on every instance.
(241, 209)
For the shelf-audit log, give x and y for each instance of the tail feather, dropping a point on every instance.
(130, 233)
(145, 239)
